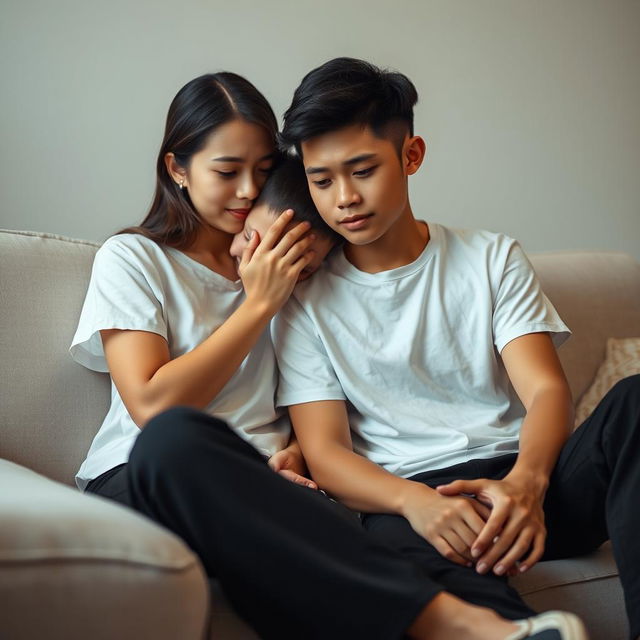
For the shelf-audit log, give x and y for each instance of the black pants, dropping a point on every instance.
(593, 495)
(287, 557)
(293, 566)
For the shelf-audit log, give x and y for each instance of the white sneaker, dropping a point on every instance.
(552, 625)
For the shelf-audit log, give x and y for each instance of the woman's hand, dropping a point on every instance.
(290, 463)
(270, 266)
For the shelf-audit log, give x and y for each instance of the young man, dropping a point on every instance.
(421, 376)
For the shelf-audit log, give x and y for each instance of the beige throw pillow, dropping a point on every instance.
(622, 359)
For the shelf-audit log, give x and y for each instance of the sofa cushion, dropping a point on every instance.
(622, 360)
(71, 562)
(587, 585)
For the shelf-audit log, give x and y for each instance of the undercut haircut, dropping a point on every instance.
(348, 91)
(287, 188)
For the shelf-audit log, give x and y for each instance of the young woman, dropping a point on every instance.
(165, 313)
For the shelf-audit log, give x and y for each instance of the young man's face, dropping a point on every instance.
(260, 219)
(357, 182)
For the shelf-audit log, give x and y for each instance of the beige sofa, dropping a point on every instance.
(75, 566)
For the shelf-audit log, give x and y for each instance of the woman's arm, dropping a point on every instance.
(149, 381)
(139, 362)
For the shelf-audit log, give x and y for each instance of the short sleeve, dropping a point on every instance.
(520, 306)
(124, 293)
(306, 372)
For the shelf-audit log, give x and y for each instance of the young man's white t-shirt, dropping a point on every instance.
(139, 285)
(415, 350)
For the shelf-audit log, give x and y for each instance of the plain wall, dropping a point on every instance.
(530, 108)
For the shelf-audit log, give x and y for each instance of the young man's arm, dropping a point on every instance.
(290, 463)
(450, 524)
(517, 517)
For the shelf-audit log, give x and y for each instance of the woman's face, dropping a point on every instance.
(259, 220)
(225, 177)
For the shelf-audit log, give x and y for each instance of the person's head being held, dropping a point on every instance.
(351, 123)
(216, 154)
(286, 188)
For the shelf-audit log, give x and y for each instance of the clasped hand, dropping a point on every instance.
(498, 525)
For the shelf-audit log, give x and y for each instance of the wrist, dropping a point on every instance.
(259, 310)
(531, 480)
(410, 493)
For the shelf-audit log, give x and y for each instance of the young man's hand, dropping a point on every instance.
(515, 530)
(450, 524)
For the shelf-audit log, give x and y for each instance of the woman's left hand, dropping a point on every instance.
(290, 463)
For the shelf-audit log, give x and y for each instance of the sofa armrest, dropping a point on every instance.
(78, 566)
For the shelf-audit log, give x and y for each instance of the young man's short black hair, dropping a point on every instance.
(347, 91)
(287, 188)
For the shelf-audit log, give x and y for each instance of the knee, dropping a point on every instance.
(172, 436)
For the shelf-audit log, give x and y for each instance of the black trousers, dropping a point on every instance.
(594, 495)
(290, 561)
(294, 566)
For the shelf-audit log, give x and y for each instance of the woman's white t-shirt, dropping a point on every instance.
(140, 285)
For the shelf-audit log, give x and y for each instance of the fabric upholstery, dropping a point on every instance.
(588, 586)
(622, 360)
(59, 547)
(51, 407)
(597, 294)
(74, 566)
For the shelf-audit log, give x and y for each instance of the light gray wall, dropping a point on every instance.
(530, 108)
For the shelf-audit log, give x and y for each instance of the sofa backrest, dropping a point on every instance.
(597, 294)
(51, 407)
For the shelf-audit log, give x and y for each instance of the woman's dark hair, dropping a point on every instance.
(346, 91)
(198, 108)
(287, 188)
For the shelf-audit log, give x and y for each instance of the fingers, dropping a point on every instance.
(249, 250)
(296, 478)
(289, 248)
(511, 545)
(459, 486)
(481, 509)
(299, 249)
(292, 239)
(275, 238)
(475, 515)
(458, 524)
(445, 549)
(468, 537)
(491, 529)
(537, 549)
(515, 551)
(276, 230)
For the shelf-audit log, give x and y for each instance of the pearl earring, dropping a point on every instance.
(181, 183)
